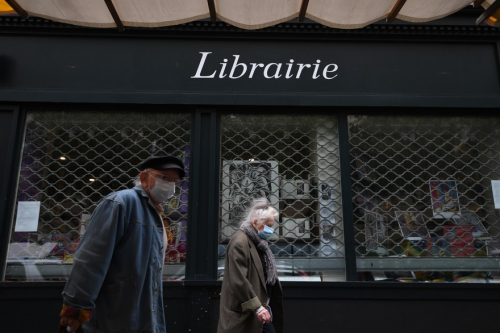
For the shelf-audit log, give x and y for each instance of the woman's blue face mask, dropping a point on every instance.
(266, 232)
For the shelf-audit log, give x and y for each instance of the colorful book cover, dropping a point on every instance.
(412, 225)
(444, 197)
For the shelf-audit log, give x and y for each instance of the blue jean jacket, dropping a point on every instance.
(117, 270)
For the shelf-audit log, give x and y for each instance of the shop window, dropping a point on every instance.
(293, 160)
(70, 161)
(423, 194)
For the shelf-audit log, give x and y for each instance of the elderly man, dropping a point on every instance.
(115, 285)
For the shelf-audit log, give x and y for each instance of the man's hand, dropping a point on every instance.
(264, 316)
(73, 323)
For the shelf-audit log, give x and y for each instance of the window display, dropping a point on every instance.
(294, 162)
(428, 182)
(422, 191)
(70, 161)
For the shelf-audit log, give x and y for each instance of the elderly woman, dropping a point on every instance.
(251, 287)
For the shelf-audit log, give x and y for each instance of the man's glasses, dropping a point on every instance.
(165, 178)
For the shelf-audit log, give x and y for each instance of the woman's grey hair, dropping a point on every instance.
(137, 181)
(260, 210)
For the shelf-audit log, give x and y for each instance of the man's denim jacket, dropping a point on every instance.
(117, 270)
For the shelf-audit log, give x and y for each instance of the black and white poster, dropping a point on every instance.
(242, 182)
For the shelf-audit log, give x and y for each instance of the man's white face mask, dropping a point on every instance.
(163, 190)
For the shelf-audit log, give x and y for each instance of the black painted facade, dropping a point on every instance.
(450, 67)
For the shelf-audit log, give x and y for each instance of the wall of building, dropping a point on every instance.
(313, 307)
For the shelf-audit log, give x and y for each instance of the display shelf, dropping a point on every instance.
(45, 270)
(428, 264)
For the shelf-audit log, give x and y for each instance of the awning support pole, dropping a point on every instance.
(303, 10)
(18, 9)
(211, 8)
(114, 13)
(478, 3)
(395, 11)
(488, 12)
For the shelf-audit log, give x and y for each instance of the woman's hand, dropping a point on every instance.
(264, 316)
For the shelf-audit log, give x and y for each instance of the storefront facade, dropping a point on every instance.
(379, 146)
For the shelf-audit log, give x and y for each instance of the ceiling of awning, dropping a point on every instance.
(254, 14)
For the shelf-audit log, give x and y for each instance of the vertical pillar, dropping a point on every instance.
(345, 178)
(203, 215)
(11, 136)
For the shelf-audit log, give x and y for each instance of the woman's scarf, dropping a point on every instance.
(263, 248)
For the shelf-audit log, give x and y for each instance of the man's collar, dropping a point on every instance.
(141, 190)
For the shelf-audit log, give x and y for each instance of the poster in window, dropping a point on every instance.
(444, 198)
(172, 253)
(294, 189)
(296, 228)
(242, 181)
(471, 219)
(493, 248)
(412, 225)
(326, 191)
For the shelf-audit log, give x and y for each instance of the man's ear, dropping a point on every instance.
(143, 177)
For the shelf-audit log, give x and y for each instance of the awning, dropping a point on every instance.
(5, 8)
(245, 14)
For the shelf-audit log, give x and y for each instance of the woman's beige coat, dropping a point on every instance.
(244, 290)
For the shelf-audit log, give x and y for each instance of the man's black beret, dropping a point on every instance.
(163, 163)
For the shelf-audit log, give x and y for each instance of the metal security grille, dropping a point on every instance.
(294, 162)
(422, 189)
(71, 160)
